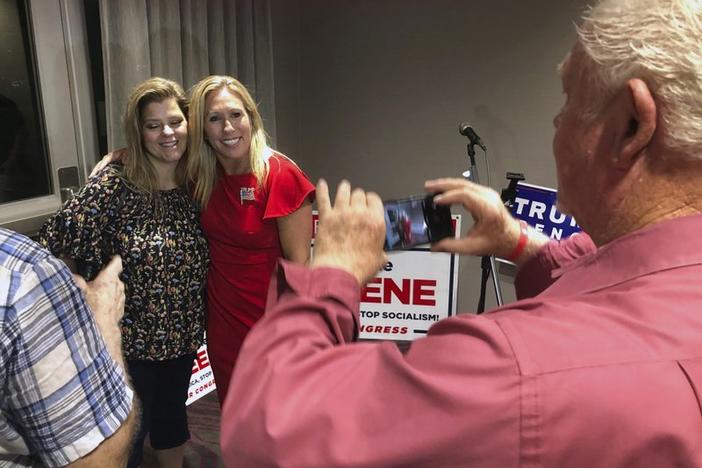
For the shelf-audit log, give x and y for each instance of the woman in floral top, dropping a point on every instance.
(141, 212)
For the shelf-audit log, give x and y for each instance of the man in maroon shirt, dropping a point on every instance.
(600, 362)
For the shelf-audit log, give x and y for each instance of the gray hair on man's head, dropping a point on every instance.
(660, 42)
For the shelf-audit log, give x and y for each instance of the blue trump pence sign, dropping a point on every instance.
(537, 206)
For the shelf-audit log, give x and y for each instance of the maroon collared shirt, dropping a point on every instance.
(603, 368)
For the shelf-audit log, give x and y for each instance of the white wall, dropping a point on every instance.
(374, 90)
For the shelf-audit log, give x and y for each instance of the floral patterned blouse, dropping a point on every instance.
(164, 256)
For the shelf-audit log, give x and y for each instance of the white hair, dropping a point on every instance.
(660, 42)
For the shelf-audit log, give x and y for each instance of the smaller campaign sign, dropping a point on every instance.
(202, 379)
(538, 207)
(416, 289)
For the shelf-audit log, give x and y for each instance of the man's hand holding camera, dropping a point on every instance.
(494, 232)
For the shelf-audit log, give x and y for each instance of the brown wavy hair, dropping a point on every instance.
(138, 169)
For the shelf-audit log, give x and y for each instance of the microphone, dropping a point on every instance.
(466, 130)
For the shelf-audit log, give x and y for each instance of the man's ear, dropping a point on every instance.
(643, 116)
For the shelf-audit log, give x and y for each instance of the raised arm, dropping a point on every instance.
(494, 231)
(304, 394)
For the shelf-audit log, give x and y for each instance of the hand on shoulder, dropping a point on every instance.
(114, 156)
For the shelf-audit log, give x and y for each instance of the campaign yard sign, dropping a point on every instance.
(414, 290)
(201, 380)
(537, 206)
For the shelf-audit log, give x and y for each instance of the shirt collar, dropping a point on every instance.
(661, 246)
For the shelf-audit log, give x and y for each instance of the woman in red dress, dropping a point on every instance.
(256, 208)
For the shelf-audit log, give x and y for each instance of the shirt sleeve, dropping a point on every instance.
(535, 275)
(287, 188)
(81, 228)
(304, 393)
(64, 394)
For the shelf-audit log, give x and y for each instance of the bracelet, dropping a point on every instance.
(521, 244)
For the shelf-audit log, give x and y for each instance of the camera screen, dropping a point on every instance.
(405, 224)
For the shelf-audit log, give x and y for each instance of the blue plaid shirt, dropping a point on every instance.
(62, 393)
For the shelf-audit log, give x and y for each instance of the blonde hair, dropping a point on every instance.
(138, 168)
(659, 42)
(202, 164)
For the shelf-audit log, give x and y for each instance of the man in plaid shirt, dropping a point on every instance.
(65, 396)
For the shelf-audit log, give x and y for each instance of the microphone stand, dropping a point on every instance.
(487, 263)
